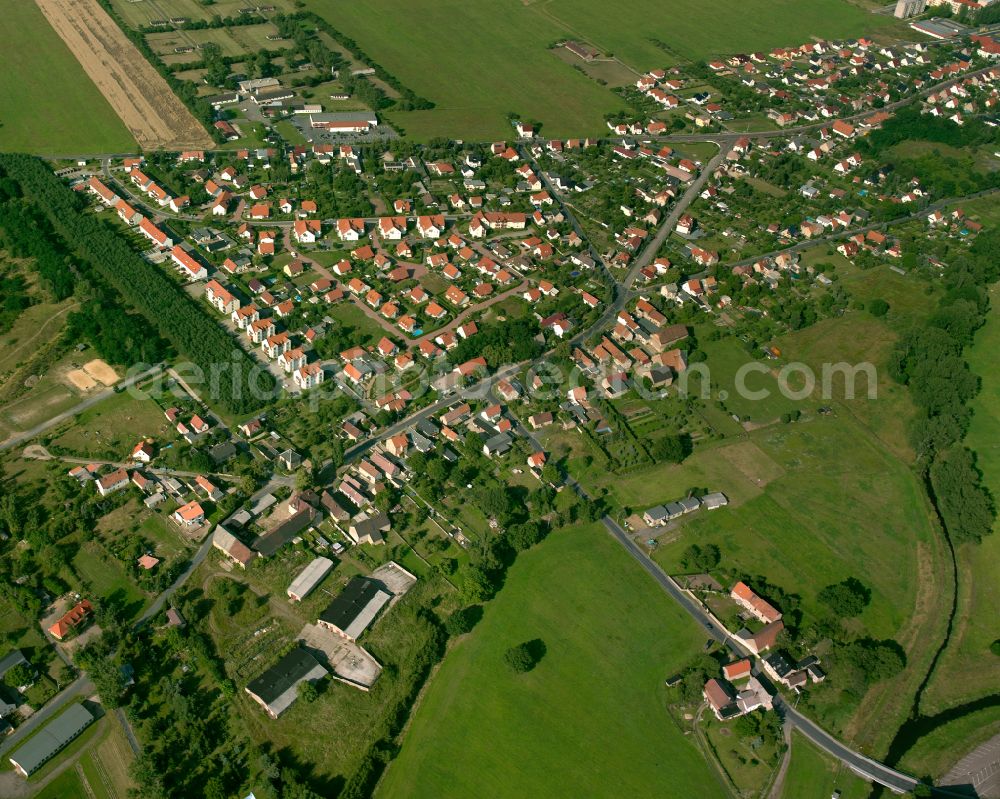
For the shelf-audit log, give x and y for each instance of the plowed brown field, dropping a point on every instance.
(137, 92)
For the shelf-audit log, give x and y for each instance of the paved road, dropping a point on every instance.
(160, 601)
(866, 767)
(476, 390)
(645, 258)
(37, 430)
(80, 687)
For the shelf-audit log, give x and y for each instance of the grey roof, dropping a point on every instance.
(714, 500)
(779, 663)
(311, 576)
(370, 527)
(690, 503)
(13, 658)
(49, 740)
(499, 443)
(427, 428)
(657, 513)
(277, 687)
(222, 452)
(271, 542)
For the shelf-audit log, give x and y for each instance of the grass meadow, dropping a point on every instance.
(814, 502)
(479, 61)
(113, 427)
(812, 774)
(795, 524)
(589, 716)
(50, 105)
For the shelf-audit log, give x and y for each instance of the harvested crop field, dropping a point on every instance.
(138, 94)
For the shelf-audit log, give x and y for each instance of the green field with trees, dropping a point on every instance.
(50, 105)
(969, 669)
(591, 709)
(505, 65)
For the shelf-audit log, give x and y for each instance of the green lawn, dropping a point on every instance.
(840, 507)
(812, 774)
(113, 427)
(800, 529)
(50, 105)
(968, 669)
(108, 581)
(481, 61)
(728, 361)
(590, 719)
(67, 784)
(351, 317)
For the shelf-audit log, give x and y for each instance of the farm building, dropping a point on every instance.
(355, 608)
(307, 580)
(277, 688)
(51, 739)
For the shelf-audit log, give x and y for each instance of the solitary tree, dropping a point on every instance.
(518, 659)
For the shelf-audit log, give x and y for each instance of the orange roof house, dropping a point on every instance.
(75, 617)
(761, 609)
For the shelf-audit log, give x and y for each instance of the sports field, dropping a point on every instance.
(480, 61)
(50, 106)
(589, 720)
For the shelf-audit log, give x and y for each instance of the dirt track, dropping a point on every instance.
(137, 92)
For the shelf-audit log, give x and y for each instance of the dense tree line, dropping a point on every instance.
(929, 361)
(118, 336)
(162, 303)
(25, 234)
(908, 124)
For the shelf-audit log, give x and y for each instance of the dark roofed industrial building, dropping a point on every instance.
(355, 608)
(271, 542)
(277, 688)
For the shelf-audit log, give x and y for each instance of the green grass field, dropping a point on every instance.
(479, 61)
(968, 669)
(113, 427)
(628, 29)
(108, 581)
(814, 775)
(50, 105)
(798, 527)
(590, 719)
